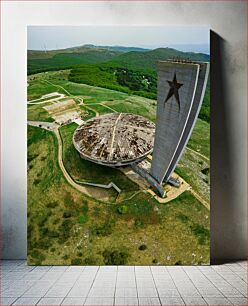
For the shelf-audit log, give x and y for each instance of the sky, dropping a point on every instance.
(186, 38)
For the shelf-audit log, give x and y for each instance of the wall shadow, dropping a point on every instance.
(224, 229)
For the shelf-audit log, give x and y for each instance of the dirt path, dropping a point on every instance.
(67, 92)
(81, 102)
(89, 191)
(197, 153)
(62, 167)
(90, 108)
(200, 199)
(102, 104)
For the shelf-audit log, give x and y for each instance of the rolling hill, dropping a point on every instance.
(114, 67)
(148, 59)
(39, 61)
(127, 57)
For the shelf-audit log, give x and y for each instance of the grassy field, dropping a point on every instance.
(196, 171)
(66, 227)
(91, 96)
(38, 113)
(200, 138)
(133, 72)
(86, 171)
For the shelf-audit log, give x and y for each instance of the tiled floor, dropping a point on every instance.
(112, 285)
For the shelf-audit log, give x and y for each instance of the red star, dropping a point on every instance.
(174, 86)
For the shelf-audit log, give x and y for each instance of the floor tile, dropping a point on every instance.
(73, 301)
(79, 291)
(74, 285)
(164, 292)
(27, 301)
(102, 292)
(58, 291)
(126, 283)
(199, 301)
(217, 301)
(166, 301)
(147, 292)
(121, 301)
(99, 301)
(50, 301)
(149, 301)
(5, 301)
(239, 301)
(126, 292)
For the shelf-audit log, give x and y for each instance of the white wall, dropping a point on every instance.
(229, 96)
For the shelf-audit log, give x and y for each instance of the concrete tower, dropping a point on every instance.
(181, 89)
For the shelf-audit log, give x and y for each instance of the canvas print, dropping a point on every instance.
(118, 138)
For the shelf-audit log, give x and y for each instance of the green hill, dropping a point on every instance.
(148, 59)
(118, 48)
(39, 61)
(133, 72)
(118, 56)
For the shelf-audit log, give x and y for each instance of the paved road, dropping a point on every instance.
(50, 126)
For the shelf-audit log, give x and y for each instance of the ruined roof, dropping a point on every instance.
(115, 139)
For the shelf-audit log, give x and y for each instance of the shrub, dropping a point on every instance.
(178, 263)
(142, 247)
(205, 171)
(36, 254)
(123, 209)
(32, 157)
(76, 261)
(65, 230)
(44, 231)
(201, 233)
(138, 223)
(65, 257)
(41, 220)
(68, 200)
(36, 181)
(103, 230)
(80, 254)
(85, 207)
(52, 204)
(43, 244)
(66, 214)
(115, 257)
(52, 234)
(82, 219)
(90, 261)
(96, 211)
(182, 217)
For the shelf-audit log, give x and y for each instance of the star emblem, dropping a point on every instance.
(173, 91)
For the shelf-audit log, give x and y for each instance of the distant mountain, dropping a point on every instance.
(118, 48)
(86, 49)
(149, 59)
(39, 61)
(119, 56)
(40, 54)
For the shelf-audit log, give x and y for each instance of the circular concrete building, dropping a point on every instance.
(115, 139)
